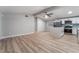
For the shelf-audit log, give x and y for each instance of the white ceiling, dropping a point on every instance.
(62, 12)
(58, 12)
(21, 9)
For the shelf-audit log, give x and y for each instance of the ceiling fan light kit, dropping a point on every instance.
(46, 16)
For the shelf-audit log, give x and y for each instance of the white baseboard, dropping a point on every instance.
(14, 35)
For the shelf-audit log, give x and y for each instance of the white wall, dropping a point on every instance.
(17, 24)
(40, 25)
(0, 25)
(48, 25)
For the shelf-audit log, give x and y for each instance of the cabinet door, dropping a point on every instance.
(74, 31)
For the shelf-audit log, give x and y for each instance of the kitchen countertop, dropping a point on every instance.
(75, 25)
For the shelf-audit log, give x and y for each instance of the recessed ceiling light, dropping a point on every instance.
(69, 12)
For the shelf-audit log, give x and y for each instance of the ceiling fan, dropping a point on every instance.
(48, 14)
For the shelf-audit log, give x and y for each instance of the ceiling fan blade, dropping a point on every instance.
(50, 13)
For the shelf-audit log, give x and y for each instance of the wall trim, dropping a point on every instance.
(4, 37)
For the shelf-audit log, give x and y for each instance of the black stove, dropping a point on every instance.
(68, 27)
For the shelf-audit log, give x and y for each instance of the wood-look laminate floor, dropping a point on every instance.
(42, 42)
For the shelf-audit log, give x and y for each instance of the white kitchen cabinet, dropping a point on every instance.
(74, 31)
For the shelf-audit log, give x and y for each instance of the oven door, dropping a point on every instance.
(68, 29)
